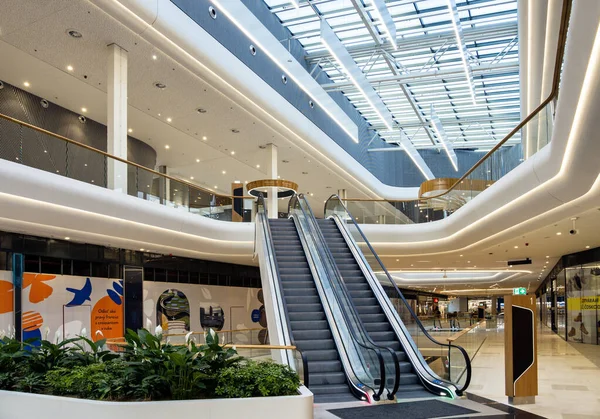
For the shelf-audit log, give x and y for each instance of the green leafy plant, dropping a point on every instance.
(257, 379)
(146, 369)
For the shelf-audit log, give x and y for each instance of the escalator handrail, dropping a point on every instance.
(371, 344)
(410, 310)
(269, 246)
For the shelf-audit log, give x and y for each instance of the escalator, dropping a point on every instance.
(309, 326)
(357, 261)
(307, 308)
(371, 313)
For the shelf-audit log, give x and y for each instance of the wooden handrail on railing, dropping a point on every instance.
(119, 159)
(560, 52)
(466, 330)
(217, 332)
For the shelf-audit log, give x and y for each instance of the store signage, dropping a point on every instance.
(519, 291)
(584, 303)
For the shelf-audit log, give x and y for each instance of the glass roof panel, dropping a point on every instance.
(427, 67)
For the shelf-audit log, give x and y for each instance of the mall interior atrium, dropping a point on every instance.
(300, 209)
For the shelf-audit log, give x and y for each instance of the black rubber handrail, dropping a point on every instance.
(342, 288)
(269, 245)
(459, 391)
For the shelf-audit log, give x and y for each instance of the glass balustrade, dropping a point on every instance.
(45, 151)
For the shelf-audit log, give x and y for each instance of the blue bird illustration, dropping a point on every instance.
(82, 295)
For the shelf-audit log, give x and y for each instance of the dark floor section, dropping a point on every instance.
(510, 411)
(410, 410)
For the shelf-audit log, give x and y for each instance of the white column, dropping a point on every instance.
(272, 201)
(522, 31)
(552, 28)
(536, 34)
(117, 117)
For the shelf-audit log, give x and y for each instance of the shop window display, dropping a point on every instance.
(583, 295)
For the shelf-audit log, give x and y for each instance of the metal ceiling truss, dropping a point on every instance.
(449, 52)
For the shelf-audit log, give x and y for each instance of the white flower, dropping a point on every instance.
(188, 336)
(46, 332)
(158, 331)
(99, 332)
(234, 348)
(148, 324)
(168, 341)
(2, 334)
(212, 332)
(57, 335)
(84, 332)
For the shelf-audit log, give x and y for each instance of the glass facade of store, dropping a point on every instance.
(569, 298)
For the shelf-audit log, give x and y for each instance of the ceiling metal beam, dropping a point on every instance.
(354, 73)
(404, 78)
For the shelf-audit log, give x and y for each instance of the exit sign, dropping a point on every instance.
(519, 291)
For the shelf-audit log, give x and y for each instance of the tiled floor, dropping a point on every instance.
(569, 376)
(569, 382)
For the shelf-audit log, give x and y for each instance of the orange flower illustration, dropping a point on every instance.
(39, 289)
(6, 297)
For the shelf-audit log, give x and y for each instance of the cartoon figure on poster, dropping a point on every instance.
(211, 317)
(173, 312)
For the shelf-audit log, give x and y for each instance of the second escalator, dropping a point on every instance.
(377, 324)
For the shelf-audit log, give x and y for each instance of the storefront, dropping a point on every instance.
(569, 298)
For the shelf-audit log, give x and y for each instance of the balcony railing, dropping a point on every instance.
(36, 147)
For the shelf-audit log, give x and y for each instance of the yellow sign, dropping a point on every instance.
(584, 303)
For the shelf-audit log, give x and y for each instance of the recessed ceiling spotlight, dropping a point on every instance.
(26, 84)
(312, 194)
(69, 68)
(559, 233)
(235, 131)
(154, 57)
(160, 85)
(232, 152)
(167, 146)
(397, 260)
(201, 110)
(258, 166)
(84, 110)
(74, 33)
(461, 255)
(67, 238)
(547, 257)
(82, 119)
(192, 177)
(204, 137)
(141, 250)
(45, 104)
(169, 120)
(197, 160)
(130, 130)
(216, 187)
(587, 247)
(245, 181)
(224, 172)
(516, 247)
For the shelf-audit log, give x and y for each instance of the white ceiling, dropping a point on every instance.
(36, 48)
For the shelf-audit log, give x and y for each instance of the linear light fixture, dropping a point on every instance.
(414, 155)
(462, 48)
(296, 3)
(243, 19)
(339, 52)
(383, 15)
(440, 133)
